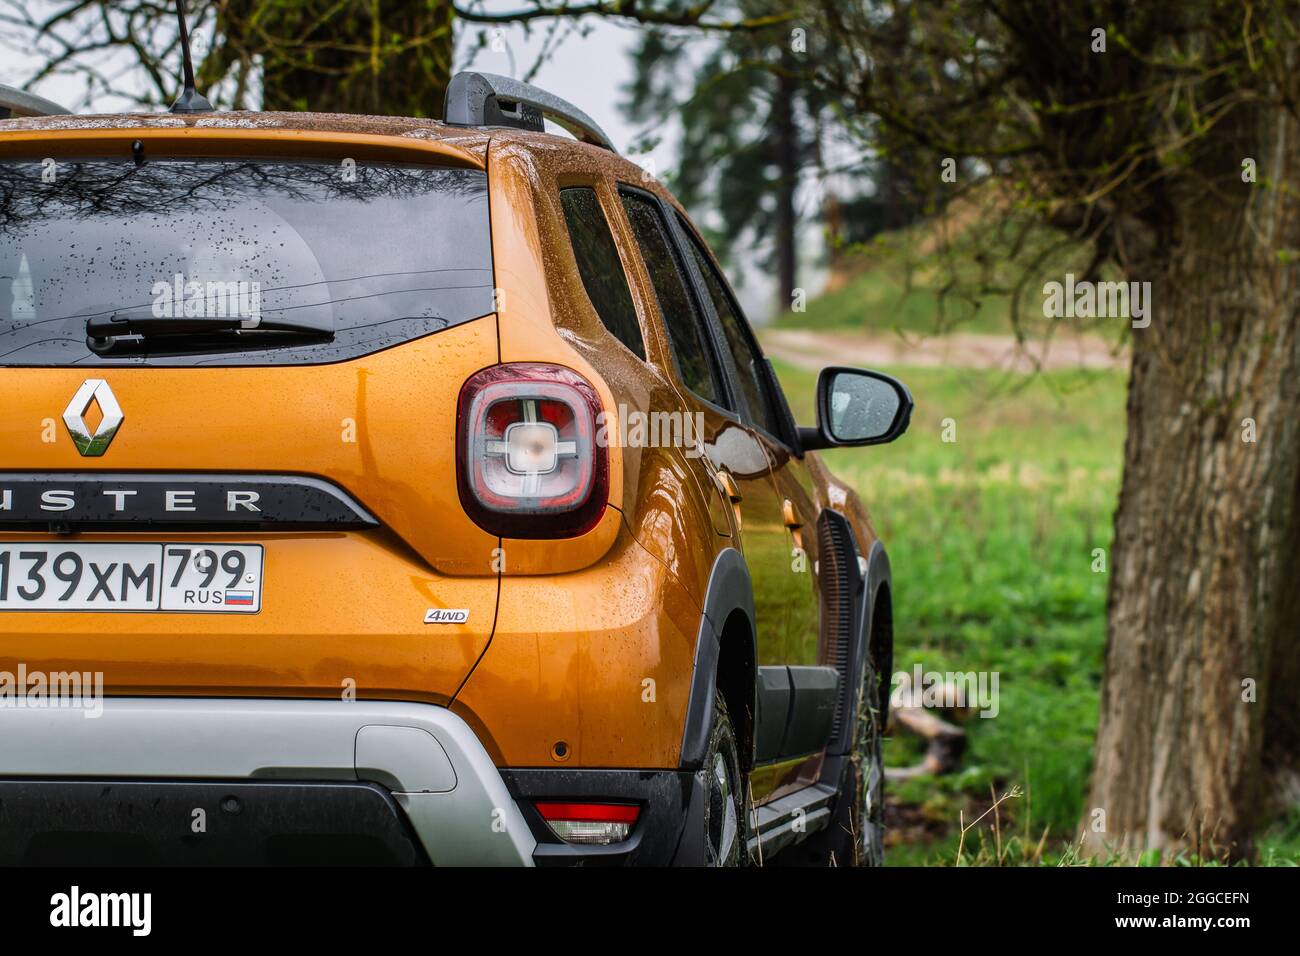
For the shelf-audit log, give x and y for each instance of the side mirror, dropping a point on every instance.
(857, 407)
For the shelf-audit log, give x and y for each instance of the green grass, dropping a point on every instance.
(916, 281)
(990, 538)
(881, 300)
(1279, 845)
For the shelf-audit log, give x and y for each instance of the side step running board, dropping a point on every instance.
(790, 819)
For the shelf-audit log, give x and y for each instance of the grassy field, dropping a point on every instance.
(880, 300)
(991, 536)
(991, 539)
(935, 278)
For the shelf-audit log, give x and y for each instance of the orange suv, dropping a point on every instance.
(405, 491)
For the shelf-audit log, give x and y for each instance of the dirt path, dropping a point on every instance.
(812, 350)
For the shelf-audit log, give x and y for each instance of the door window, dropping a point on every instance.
(748, 360)
(686, 333)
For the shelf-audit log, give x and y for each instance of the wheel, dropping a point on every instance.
(726, 804)
(855, 835)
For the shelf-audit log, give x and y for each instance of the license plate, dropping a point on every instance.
(222, 578)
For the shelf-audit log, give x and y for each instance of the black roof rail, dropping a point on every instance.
(15, 102)
(486, 99)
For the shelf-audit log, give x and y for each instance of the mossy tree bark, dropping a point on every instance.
(1198, 719)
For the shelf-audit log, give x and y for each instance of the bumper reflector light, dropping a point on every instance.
(596, 824)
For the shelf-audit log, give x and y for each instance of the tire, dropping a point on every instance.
(855, 835)
(726, 803)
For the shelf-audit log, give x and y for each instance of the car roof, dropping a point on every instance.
(471, 141)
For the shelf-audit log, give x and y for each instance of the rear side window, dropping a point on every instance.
(682, 320)
(740, 343)
(381, 256)
(599, 265)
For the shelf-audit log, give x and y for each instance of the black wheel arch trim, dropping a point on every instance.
(730, 590)
(877, 576)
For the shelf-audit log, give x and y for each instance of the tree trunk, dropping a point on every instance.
(1203, 590)
(787, 150)
(388, 57)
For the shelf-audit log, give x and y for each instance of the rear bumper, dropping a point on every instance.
(59, 822)
(423, 757)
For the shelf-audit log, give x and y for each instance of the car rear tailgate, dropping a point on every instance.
(339, 609)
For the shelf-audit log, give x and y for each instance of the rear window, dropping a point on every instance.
(600, 267)
(369, 256)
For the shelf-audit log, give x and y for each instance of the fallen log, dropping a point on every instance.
(946, 742)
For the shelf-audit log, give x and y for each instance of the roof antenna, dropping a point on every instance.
(190, 100)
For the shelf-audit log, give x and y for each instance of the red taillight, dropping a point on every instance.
(590, 823)
(527, 461)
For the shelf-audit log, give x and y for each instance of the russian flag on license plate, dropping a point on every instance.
(240, 597)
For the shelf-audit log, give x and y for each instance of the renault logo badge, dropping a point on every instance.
(93, 390)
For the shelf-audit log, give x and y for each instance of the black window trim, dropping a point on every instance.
(775, 396)
(704, 309)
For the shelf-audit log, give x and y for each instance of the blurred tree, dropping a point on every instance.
(389, 57)
(349, 56)
(749, 132)
(756, 128)
(1160, 139)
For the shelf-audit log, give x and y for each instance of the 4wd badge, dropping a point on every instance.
(442, 615)
(93, 390)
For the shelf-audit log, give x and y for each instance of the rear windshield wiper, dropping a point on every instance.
(116, 333)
